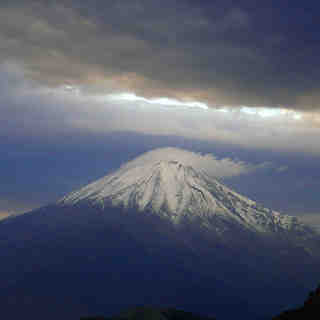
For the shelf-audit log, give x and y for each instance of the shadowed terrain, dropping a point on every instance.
(309, 311)
(149, 313)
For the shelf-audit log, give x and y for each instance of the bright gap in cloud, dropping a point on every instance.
(271, 112)
(132, 97)
(261, 112)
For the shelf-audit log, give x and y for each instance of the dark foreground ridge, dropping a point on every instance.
(309, 311)
(149, 313)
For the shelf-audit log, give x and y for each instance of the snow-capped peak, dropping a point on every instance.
(166, 185)
(169, 185)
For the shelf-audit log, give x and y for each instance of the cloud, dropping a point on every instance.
(215, 53)
(208, 163)
(41, 112)
(4, 214)
(282, 169)
(311, 219)
(11, 204)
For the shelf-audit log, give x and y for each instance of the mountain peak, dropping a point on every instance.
(166, 182)
(161, 186)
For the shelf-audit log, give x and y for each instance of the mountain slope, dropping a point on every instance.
(151, 313)
(159, 231)
(310, 310)
(172, 189)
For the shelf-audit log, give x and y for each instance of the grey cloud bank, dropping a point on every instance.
(219, 53)
(30, 110)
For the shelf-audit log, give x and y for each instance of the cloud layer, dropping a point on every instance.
(312, 220)
(208, 163)
(4, 214)
(215, 52)
(28, 110)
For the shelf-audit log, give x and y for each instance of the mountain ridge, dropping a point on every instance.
(174, 190)
(152, 313)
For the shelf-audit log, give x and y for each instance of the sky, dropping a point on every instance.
(88, 85)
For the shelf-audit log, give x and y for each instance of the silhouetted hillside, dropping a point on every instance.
(148, 313)
(309, 311)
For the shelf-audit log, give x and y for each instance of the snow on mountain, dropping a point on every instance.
(169, 182)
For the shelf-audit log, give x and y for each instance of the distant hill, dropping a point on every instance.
(309, 311)
(149, 313)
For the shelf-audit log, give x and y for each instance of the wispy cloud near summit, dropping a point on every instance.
(208, 163)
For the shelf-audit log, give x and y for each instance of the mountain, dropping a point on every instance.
(175, 191)
(161, 230)
(310, 310)
(150, 313)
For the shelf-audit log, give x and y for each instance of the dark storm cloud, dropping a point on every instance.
(222, 52)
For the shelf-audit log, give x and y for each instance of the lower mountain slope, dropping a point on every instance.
(151, 313)
(310, 310)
